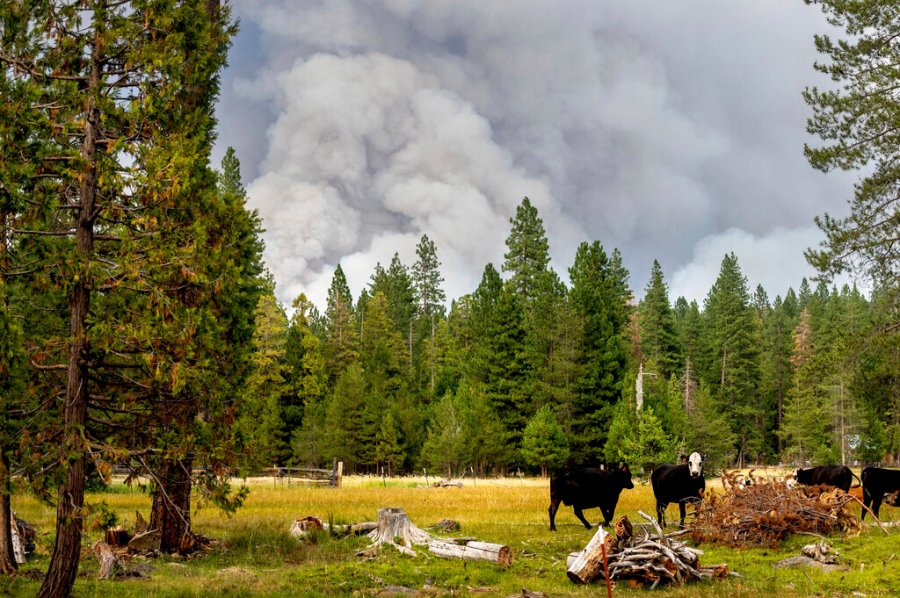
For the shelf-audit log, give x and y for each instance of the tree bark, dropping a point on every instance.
(7, 556)
(70, 499)
(171, 510)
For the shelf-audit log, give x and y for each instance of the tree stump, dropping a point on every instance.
(393, 526)
(107, 558)
(117, 536)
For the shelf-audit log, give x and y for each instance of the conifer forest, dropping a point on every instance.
(140, 328)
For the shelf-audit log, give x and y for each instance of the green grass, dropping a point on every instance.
(255, 555)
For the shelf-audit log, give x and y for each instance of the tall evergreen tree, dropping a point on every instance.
(857, 120)
(527, 253)
(342, 339)
(657, 324)
(119, 135)
(600, 295)
(259, 411)
(430, 297)
(731, 357)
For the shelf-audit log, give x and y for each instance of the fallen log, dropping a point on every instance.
(148, 540)
(107, 558)
(473, 551)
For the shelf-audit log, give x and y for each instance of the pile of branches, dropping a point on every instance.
(647, 557)
(762, 512)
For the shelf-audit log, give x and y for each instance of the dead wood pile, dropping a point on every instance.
(766, 511)
(644, 557)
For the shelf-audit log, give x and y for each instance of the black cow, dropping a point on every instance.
(838, 476)
(877, 482)
(677, 483)
(586, 488)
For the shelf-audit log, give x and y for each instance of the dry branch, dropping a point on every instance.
(649, 558)
(765, 512)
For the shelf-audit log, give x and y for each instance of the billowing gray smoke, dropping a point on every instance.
(672, 130)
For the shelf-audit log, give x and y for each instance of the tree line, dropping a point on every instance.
(528, 371)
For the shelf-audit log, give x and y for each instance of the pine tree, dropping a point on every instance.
(527, 253)
(731, 357)
(600, 295)
(430, 297)
(310, 379)
(259, 413)
(342, 338)
(119, 134)
(857, 120)
(657, 324)
(544, 443)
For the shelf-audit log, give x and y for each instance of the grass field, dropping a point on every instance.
(255, 555)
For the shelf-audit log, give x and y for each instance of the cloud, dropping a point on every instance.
(650, 126)
(774, 261)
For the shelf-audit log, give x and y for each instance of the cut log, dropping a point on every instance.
(145, 541)
(473, 551)
(588, 566)
(107, 558)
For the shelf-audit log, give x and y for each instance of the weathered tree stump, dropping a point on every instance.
(473, 551)
(107, 558)
(117, 536)
(394, 525)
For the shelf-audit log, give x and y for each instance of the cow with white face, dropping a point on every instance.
(679, 484)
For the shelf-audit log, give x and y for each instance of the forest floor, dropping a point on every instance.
(254, 554)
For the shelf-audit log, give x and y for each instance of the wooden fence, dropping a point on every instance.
(332, 476)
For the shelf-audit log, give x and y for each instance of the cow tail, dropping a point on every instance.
(857, 479)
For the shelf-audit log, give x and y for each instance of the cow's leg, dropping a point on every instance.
(661, 513)
(876, 503)
(867, 501)
(681, 511)
(608, 513)
(580, 515)
(554, 506)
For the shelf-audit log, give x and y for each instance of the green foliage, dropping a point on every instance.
(544, 443)
(857, 121)
(527, 253)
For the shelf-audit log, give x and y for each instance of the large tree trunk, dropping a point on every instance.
(7, 558)
(171, 511)
(70, 500)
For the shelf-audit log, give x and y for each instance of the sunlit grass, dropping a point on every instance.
(256, 555)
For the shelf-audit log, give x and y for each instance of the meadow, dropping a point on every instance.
(254, 555)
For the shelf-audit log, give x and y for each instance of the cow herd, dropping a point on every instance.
(586, 488)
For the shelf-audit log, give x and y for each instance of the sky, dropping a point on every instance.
(673, 131)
